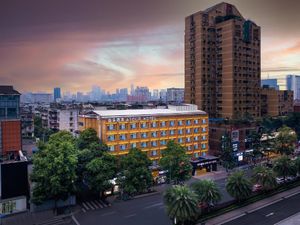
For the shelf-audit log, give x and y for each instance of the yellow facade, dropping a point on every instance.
(151, 133)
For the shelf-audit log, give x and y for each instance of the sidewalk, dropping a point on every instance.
(252, 207)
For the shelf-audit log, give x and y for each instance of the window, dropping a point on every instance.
(203, 146)
(154, 153)
(203, 153)
(196, 130)
(122, 127)
(188, 131)
(144, 144)
(163, 142)
(153, 124)
(172, 123)
(144, 135)
(196, 138)
(133, 126)
(122, 147)
(188, 139)
(111, 148)
(203, 129)
(154, 134)
(180, 122)
(133, 136)
(196, 146)
(196, 121)
(163, 123)
(111, 127)
(153, 143)
(172, 132)
(203, 137)
(163, 133)
(133, 145)
(180, 140)
(188, 122)
(180, 131)
(122, 137)
(144, 125)
(204, 121)
(189, 148)
(154, 162)
(196, 155)
(111, 137)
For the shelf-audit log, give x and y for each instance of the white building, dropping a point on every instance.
(68, 119)
(293, 84)
(175, 95)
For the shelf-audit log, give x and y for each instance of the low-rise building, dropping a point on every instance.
(150, 129)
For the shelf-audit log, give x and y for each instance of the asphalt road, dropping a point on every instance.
(271, 214)
(147, 211)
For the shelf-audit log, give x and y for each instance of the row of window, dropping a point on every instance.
(152, 144)
(172, 123)
(154, 134)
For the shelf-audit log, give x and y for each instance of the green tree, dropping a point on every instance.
(207, 191)
(265, 177)
(176, 162)
(135, 176)
(86, 138)
(227, 158)
(285, 141)
(99, 172)
(238, 186)
(181, 205)
(297, 164)
(293, 121)
(284, 167)
(54, 170)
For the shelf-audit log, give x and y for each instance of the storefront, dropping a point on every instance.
(204, 164)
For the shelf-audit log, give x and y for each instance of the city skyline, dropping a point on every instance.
(86, 45)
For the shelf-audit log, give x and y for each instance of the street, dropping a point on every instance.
(271, 214)
(147, 211)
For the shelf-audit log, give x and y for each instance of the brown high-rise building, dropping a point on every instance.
(222, 62)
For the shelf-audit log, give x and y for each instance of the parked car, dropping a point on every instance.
(279, 180)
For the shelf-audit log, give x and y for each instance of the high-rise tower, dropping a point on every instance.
(222, 62)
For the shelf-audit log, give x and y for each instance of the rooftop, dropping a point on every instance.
(145, 112)
(8, 90)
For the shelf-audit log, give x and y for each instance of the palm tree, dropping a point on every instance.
(284, 167)
(181, 204)
(207, 191)
(265, 177)
(238, 186)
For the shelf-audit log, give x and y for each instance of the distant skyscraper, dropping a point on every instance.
(175, 95)
(293, 84)
(222, 62)
(56, 93)
(272, 83)
(132, 89)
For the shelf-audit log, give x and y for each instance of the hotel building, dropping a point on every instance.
(150, 129)
(222, 62)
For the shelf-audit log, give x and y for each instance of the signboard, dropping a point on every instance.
(235, 146)
(128, 119)
(235, 137)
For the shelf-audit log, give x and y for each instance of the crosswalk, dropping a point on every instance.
(93, 205)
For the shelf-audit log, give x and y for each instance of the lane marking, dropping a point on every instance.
(154, 205)
(270, 214)
(131, 215)
(75, 220)
(109, 213)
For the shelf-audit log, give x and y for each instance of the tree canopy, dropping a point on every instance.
(285, 141)
(135, 175)
(176, 162)
(238, 186)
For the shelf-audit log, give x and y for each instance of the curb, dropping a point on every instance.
(146, 195)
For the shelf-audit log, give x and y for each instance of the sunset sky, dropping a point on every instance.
(75, 44)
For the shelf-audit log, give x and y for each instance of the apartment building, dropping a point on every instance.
(10, 123)
(275, 102)
(222, 62)
(68, 119)
(150, 130)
